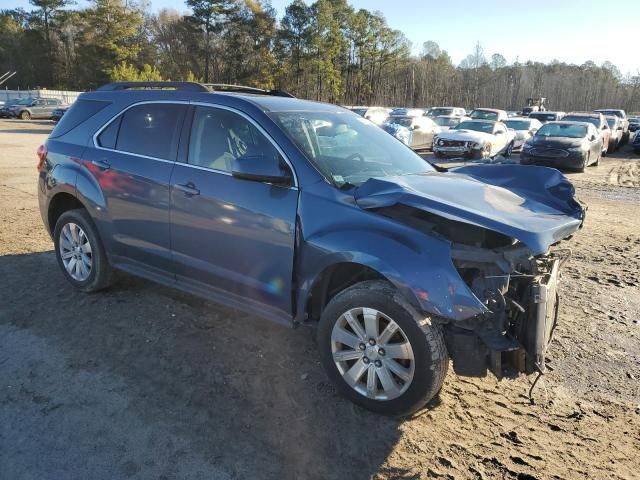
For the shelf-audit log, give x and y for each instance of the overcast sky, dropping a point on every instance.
(571, 31)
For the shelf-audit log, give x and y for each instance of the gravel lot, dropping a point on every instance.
(145, 382)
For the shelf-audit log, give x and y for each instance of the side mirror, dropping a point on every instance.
(499, 132)
(533, 131)
(415, 127)
(620, 128)
(261, 168)
(592, 138)
(605, 127)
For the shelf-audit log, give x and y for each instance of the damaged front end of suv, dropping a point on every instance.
(504, 225)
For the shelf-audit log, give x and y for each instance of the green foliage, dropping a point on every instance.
(125, 72)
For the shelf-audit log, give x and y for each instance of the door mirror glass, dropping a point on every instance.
(592, 138)
(499, 132)
(261, 168)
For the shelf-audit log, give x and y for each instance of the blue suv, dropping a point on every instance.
(303, 212)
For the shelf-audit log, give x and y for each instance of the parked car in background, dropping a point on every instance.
(489, 114)
(565, 144)
(235, 198)
(58, 113)
(34, 108)
(377, 115)
(621, 114)
(512, 113)
(636, 142)
(524, 127)
(616, 128)
(446, 112)
(416, 132)
(475, 139)
(407, 112)
(597, 120)
(634, 124)
(544, 117)
(6, 111)
(445, 122)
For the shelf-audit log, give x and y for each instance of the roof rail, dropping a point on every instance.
(184, 86)
(226, 87)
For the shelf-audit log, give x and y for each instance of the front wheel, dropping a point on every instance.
(379, 352)
(25, 115)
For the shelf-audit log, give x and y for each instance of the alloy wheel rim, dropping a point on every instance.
(75, 251)
(372, 353)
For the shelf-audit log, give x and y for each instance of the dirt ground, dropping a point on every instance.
(144, 382)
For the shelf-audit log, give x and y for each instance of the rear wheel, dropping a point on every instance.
(80, 252)
(379, 352)
(25, 115)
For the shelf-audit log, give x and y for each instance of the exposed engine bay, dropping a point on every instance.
(520, 292)
(518, 288)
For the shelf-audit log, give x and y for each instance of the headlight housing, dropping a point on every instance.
(475, 144)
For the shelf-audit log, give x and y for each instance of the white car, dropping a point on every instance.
(489, 114)
(446, 111)
(475, 139)
(377, 115)
(448, 121)
(524, 127)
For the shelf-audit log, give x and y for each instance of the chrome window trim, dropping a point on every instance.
(200, 104)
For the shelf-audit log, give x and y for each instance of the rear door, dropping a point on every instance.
(132, 161)
(39, 108)
(232, 238)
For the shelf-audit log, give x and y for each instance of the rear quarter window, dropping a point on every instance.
(79, 112)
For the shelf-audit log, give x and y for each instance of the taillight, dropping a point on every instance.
(41, 153)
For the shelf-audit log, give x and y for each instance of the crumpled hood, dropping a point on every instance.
(465, 135)
(535, 205)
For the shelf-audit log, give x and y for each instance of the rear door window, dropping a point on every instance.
(151, 129)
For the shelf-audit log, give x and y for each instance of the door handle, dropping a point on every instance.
(101, 164)
(189, 189)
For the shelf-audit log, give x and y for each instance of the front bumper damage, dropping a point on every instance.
(521, 294)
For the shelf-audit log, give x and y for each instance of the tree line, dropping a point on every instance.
(325, 51)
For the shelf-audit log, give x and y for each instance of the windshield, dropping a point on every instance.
(617, 113)
(485, 127)
(403, 121)
(543, 117)
(569, 130)
(484, 115)
(447, 121)
(436, 112)
(348, 149)
(518, 124)
(611, 121)
(595, 121)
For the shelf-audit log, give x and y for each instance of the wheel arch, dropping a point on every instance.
(60, 203)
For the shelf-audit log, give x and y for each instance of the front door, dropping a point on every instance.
(233, 238)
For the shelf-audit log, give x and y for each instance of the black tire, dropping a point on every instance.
(431, 359)
(101, 273)
(25, 115)
(509, 151)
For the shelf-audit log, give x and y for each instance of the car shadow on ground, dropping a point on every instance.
(144, 379)
(29, 126)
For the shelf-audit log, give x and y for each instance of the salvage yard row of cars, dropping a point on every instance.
(564, 140)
